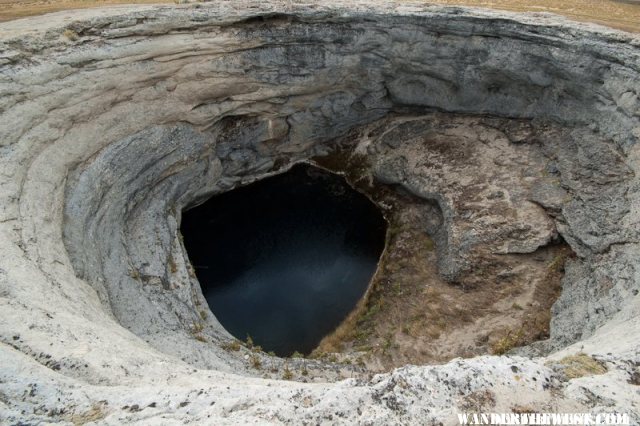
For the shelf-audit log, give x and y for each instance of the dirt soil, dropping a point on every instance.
(411, 315)
(620, 14)
(15, 9)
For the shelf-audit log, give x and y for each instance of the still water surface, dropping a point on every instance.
(284, 260)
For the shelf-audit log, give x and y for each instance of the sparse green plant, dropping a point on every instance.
(317, 354)
(517, 306)
(297, 354)
(257, 348)
(363, 333)
(372, 311)
(271, 353)
(249, 341)
(364, 348)
(397, 288)
(203, 314)
(388, 342)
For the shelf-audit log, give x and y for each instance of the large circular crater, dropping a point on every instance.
(502, 150)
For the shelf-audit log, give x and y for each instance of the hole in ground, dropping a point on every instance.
(284, 260)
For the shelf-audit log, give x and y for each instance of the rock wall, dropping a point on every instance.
(114, 120)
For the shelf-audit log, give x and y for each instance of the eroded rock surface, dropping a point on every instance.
(112, 121)
(473, 260)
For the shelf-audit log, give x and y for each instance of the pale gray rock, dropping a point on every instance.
(106, 137)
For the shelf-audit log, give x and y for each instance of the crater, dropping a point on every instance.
(284, 260)
(501, 149)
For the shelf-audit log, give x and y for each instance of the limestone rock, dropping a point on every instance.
(107, 135)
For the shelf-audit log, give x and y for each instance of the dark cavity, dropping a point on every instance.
(285, 260)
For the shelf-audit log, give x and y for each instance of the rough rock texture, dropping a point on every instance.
(511, 189)
(114, 120)
(474, 184)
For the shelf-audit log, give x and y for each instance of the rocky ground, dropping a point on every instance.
(512, 131)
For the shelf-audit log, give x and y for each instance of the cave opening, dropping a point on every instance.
(284, 260)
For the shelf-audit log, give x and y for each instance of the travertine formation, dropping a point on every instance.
(114, 120)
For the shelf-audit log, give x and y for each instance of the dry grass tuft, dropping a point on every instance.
(287, 374)
(231, 346)
(196, 331)
(256, 362)
(522, 409)
(509, 341)
(580, 365)
(95, 413)
(70, 34)
(478, 401)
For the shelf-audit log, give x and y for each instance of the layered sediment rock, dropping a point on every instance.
(114, 120)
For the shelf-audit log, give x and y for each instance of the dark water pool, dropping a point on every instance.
(284, 260)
